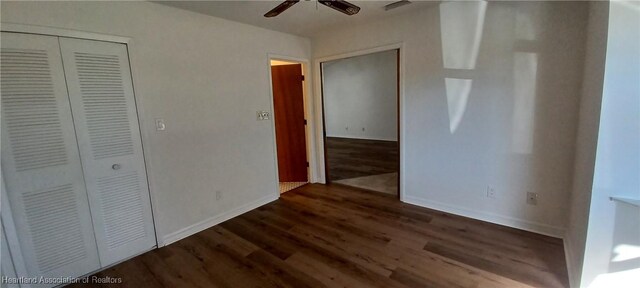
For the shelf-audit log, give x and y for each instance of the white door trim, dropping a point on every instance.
(61, 32)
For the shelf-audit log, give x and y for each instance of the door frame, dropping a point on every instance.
(144, 129)
(319, 107)
(312, 172)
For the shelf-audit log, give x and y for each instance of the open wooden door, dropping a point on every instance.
(288, 102)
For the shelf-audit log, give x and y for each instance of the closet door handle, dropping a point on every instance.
(115, 166)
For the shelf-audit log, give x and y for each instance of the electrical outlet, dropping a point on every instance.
(491, 192)
(218, 195)
(346, 128)
(362, 129)
(532, 198)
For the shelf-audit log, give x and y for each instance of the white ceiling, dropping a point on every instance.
(302, 19)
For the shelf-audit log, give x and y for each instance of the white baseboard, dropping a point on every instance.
(540, 228)
(363, 138)
(215, 220)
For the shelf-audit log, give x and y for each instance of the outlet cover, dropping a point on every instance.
(218, 195)
(491, 192)
(532, 198)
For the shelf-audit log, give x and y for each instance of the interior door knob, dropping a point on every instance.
(115, 166)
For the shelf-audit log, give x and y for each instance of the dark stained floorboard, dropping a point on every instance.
(335, 236)
(352, 158)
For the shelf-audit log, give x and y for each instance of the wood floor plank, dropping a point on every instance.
(283, 273)
(192, 267)
(446, 272)
(235, 242)
(354, 252)
(304, 214)
(533, 277)
(412, 280)
(336, 236)
(459, 231)
(314, 249)
(269, 244)
(360, 206)
(322, 272)
(375, 253)
(172, 271)
(334, 231)
(228, 268)
(351, 158)
(372, 222)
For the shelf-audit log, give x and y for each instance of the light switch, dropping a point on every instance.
(263, 115)
(160, 125)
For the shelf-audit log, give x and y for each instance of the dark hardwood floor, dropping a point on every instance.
(335, 236)
(351, 158)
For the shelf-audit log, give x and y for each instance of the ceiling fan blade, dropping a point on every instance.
(341, 5)
(280, 8)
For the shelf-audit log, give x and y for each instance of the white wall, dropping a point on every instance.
(587, 138)
(360, 96)
(206, 77)
(612, 252)
(503, 116)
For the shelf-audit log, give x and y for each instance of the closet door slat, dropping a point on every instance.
(40, 160)
(103, 104)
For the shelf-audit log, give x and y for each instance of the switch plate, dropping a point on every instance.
(532, 198)
(263, 115)
(160, 126)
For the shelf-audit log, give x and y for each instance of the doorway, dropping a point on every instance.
(360, 96)
(287, 82)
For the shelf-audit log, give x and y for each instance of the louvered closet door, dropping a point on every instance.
(40, 161)
(104, 112)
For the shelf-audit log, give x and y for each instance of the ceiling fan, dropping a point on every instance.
(339, 5)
